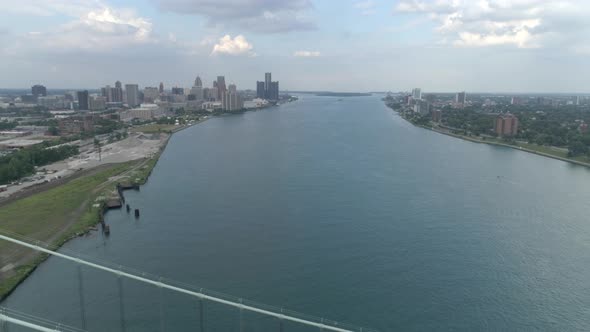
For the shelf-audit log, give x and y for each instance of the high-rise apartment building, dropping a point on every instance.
(161, 89)
(231, 100)
(132, 94)
(83, 100)
(506, 125)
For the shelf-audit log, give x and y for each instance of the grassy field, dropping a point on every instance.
(52, 216)
(153, 128)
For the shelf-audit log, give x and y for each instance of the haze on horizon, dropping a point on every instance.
(353, 45)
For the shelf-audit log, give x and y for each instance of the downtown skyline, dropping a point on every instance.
(491, 46)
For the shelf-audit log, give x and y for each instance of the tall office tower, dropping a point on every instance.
(132, 94)
(267, 80)
(416, 93)
(38, 90)
(260, 93)
(273, 91)
(221, 85)
(107, 92)
(232, 88)
(161, 87)
(461, 97)
(116, 93)
(198, 82)
(83, 100)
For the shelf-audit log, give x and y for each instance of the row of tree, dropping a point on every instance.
(23, 162)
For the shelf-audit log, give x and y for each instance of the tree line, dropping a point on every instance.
(23, 162)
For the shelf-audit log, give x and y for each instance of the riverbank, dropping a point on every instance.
(491, 142)
(63, 211)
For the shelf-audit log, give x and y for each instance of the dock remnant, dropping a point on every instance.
(128, 208)
(136, 213)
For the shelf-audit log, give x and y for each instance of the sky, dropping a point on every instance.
(336, 45)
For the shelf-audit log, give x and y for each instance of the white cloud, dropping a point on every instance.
(520, 23)
(266, 16)
(306, 54)
(100, 30)
(366, 7)
(233, 46)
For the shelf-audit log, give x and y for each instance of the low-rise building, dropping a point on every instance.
(144, 112)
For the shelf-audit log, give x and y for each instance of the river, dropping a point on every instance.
(339, 209)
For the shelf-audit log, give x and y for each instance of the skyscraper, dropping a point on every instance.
(273, 91)
(221, 85)
(132, 93)
(416, 93)
(231, 100)
(83, 100)
(118, 85)
(198, 82)
(268, 89)
(460, 98)
(267, 80)
(38, 90)
(260, 91)
(161, 87)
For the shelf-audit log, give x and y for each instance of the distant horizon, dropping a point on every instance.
(573, 94)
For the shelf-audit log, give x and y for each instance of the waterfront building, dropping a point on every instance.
(231, 100)
(132, 94)
(436, 116)
(506, 125)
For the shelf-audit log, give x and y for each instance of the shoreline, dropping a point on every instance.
(98, 212)
(480, 141)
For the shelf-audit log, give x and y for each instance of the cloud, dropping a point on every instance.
(100, 30)
(366, 7)
(264, 16)
(306, 54)
(236, 46)
(519, 23)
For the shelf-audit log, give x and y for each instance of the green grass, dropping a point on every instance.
(154, 128)
(45, 216)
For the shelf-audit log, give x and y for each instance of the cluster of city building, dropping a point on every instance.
(78, 111)
(151, 102)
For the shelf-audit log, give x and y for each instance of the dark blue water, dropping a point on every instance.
(341, 209)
